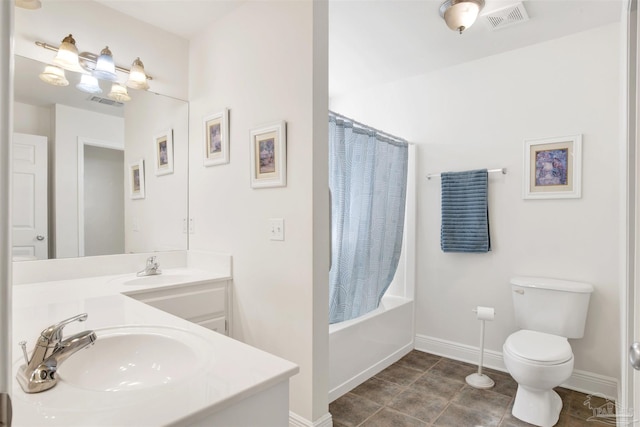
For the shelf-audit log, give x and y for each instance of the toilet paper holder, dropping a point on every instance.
(478, 379)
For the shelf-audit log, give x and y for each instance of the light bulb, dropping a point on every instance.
(89, 84)
(105, 68)
(67, 56)
(54, 76)
(119, 93)
(137, 76)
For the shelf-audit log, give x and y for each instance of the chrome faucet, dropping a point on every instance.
(152, 268)
(38, 374)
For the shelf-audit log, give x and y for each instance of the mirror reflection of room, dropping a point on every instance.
(71, 160)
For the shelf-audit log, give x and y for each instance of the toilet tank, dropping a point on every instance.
(557, 307)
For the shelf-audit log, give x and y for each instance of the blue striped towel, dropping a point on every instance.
(465, 212)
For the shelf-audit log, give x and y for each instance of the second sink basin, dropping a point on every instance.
(133, 358)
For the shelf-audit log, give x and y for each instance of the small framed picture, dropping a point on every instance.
(136, 179)
(163, 146)
(553, 167)
(216, 138)
(269, 156)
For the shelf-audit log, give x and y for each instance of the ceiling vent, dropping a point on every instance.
(506, 17)
(104, 101)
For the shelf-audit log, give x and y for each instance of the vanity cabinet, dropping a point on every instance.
(206, 304)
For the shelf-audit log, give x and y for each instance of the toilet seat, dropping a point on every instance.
(538, 347)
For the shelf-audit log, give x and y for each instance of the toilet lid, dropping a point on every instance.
(539, 347)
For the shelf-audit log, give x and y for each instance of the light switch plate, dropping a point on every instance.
(276, 229)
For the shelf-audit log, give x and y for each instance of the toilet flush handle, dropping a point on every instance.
(519, 291)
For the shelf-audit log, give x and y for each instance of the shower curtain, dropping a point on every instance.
(368, 183)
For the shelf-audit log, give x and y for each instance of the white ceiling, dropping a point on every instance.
(377, 41)
(182, 17)
(373, 42)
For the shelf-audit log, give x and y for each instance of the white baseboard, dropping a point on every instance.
(296, 420)
(582, 381)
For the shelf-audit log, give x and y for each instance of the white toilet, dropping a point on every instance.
(538, 356)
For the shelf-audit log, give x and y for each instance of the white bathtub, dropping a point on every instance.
(362, 347)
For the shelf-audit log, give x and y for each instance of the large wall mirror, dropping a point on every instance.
(92, 176)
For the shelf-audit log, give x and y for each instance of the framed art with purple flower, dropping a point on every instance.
(552, 168)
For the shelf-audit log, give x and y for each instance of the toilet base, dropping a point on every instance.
(537, 407)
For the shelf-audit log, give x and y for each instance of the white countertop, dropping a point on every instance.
(235, 370)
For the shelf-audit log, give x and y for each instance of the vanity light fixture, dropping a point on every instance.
(137, 76)
(119, 93)
(105, 67)
(93, 67)
(89, 84)
(67, 56)
(54, 76)
(460, 14)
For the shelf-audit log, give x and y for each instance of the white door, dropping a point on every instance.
(29, 197)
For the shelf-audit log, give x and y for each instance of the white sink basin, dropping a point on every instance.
(134, 358)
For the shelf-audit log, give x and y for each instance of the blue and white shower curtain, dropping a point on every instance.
(368, 183)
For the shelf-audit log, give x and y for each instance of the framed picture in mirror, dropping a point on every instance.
(136, 179)
(216, 138)
(269, 156)
(163, 147)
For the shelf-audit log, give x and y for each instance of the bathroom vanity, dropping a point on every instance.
(149, 365)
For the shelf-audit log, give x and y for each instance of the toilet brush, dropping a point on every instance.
(480, 380)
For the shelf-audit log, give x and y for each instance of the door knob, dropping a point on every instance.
(40, 237)
(634, 355)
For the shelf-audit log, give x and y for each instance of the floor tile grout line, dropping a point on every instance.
(568, 395)
(366, 419)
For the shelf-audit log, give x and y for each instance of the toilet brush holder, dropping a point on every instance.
(478, 379)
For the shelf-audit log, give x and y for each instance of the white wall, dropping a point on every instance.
(267, 61)
(32, 119)
(71, 123)
(477, 115)
(155, 223)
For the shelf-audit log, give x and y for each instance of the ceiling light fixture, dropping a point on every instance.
(460, 14)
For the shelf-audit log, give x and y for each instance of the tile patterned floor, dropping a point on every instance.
(426, 390)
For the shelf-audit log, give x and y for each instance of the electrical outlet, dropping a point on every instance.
(276, 229)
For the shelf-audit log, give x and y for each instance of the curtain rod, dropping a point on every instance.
(367, 126)
(503, 170)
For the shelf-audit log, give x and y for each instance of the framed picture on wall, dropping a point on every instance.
(136, 179)
(163, 147)
(553, 168)
(216, 138)
(269, 156)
